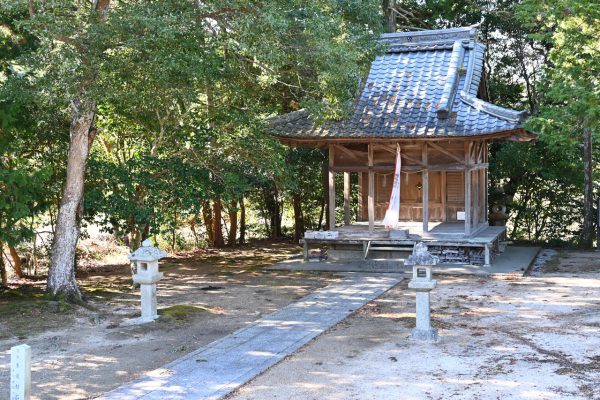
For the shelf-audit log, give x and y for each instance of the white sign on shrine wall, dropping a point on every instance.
(20, 372)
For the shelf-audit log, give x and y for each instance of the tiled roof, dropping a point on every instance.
(425, 85)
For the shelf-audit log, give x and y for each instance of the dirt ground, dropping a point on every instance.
(576, 263)
(80, 353)
(504, 337)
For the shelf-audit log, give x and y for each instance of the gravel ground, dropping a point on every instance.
(506, 337)
(80, 353)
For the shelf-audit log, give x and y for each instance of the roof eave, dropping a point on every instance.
(518, 134)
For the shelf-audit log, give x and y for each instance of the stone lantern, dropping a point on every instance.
(422, 261)
(145, 260)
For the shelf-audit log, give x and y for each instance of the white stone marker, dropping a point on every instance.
(422, 261)
(20, 372)
(146, 266)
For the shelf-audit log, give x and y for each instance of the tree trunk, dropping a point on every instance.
(388, 16)
(192, 223)
(61, 274)
(17, 263)
(207, 219)
(325, 204)
(274, 211)
(117, 233)
(266, 213)
(298, 217)
(78, 220)
(278, 215)
(598, 224)
(173, 239)
(3, 275)
(587, 237)
(135, 236)
(233, 223)
(217, 226)
(242, 239)
(146, 232)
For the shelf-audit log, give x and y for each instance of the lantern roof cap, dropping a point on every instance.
(421, 256)
(147, 253)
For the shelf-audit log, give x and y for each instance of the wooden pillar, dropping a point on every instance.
(443, 195)
(483, 203)
(425, 188)
(325, 182)
(371, 198)
(468, 146)
(361, 208)
(331, 189)
(486, 185)
(346, 198)
(476, 197)
(482, 188)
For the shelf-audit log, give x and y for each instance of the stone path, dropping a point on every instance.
(219, 368)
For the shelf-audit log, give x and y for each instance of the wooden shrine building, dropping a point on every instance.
(427, 95)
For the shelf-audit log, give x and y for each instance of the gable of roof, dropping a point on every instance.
(424, 86)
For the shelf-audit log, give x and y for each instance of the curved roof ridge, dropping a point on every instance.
(447, 97)
(474, 69)
(434, 36)
(497, 111)
(288, 117)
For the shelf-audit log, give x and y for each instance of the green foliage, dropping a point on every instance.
(543, 184)
(13, 41)
(145, 191)
(572, 95)
(26, 179)
(183, 90)
(21, 198)
(305, 179)
(546, 179)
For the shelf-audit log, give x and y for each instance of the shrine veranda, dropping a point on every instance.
(445, 240)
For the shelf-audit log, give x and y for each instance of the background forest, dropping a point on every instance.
(148, 118)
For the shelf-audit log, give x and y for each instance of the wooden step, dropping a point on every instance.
(375, 248)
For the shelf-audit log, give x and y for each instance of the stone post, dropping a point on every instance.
(422, 261)
(146, 266)
(20, 372)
